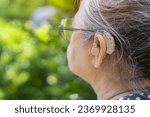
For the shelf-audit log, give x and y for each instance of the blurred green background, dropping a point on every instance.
(33, 62)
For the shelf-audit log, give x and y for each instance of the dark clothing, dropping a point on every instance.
(138, 95)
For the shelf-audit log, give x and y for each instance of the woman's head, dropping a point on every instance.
(128, 21)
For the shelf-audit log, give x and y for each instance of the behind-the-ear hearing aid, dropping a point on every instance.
(95, 49)
(110, 43)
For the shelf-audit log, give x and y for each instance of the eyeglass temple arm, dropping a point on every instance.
(74, 29)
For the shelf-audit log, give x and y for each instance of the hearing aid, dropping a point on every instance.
(95, 49)
(110, 43)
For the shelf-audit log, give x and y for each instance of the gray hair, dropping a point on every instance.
(128, 21)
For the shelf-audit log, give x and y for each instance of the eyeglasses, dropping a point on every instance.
(66, 28)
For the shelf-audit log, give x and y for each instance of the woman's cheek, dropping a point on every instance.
(70, 58)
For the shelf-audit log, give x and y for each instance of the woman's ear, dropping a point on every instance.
(98, 50)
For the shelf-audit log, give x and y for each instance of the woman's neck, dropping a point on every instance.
(111, 90)
(107, 85)
(114, 89)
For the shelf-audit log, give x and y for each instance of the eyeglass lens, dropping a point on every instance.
(69, 24)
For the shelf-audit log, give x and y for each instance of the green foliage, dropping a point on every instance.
(33, 64)
(12, 9)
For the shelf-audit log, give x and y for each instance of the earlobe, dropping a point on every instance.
(96, 62)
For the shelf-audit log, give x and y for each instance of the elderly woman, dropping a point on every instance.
(110, 47)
